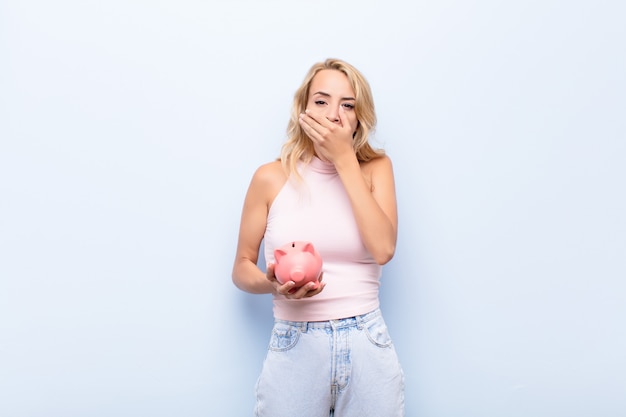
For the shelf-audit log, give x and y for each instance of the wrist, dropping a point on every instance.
(346, 162)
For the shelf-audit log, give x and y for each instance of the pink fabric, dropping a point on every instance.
(318, 210)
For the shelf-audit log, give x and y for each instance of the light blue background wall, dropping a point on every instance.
(129, 131)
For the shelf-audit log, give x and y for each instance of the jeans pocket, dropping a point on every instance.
(377, 332)
(284, 337)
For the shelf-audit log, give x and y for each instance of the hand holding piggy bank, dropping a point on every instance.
(298, 262)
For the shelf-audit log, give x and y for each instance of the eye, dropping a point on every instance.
(320, 102)
(348, 106)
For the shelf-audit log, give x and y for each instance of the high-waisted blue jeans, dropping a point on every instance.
(340, 368)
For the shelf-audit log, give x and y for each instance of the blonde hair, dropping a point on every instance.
(299, 146)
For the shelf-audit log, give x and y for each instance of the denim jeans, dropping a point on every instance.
(336, 368)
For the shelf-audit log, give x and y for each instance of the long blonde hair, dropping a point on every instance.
(299, 146)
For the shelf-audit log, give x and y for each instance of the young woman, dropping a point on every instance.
(330, 353)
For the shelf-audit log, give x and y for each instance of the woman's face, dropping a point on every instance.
(330, 90)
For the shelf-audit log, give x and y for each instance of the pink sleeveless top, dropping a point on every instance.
(318, 210)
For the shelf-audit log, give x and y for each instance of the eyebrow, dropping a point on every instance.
(321, 93)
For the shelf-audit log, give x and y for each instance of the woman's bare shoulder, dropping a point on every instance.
(376, 170)
(268, 179)
(380, 164)
(269, 173)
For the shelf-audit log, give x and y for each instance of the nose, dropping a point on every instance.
(333, 114)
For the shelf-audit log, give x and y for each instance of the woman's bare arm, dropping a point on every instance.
(370, 186)
(371, 189)
(246, 275)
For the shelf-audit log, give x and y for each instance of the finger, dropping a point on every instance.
(318, 121)
(344, 120)
(286, 289)
(316, 291)
(269, 272)
(306, 123)
(313, 119)
(305, 290)
(325, 127)
(319, 128)
(313, 130)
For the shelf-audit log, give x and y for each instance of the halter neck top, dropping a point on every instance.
(317, 209)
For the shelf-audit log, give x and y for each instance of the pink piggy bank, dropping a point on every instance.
(298, 262)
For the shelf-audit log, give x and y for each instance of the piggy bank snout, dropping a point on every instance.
(297, 262)
(302, 267)
(297, 274)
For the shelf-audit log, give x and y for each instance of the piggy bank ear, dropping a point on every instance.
(309, 248)
(279, 253)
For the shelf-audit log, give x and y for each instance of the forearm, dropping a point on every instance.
(376, 228)
(248, 277)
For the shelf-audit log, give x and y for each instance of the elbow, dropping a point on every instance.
(240, 284)
(382, 260)
(235, 276)
(384, 256)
